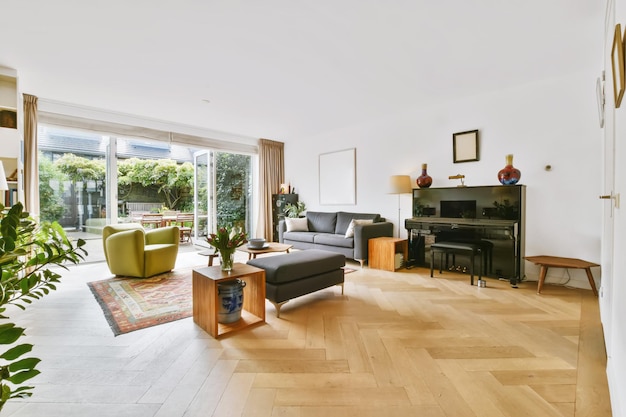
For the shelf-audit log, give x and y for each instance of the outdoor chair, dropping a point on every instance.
(185, 224)
(152, 220)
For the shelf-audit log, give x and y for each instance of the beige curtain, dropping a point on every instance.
(31, 167)
(271, 175)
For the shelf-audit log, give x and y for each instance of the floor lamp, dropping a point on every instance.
(400, 184)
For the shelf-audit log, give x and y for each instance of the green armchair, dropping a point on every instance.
(132, 251)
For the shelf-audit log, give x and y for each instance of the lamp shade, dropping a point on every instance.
(3, 178)
(400, 184)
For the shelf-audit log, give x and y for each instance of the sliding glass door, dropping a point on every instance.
(203, 207)
(223, 192)
(90, 179)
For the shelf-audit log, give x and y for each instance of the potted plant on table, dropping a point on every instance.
(226, 243)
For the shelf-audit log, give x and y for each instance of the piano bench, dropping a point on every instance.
(447, 248)
(486, 247)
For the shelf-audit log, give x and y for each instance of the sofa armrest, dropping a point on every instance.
(282, 228)
(364, 232)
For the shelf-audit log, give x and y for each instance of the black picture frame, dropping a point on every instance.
(465, 146)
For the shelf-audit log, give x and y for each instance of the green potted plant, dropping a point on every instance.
(27, 250)
(294, 210)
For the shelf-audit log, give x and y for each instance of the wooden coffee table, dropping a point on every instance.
(252, 253)
(271, 247)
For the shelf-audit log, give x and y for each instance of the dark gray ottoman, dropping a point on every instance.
(298, 273)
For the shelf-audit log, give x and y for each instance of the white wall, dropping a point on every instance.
(554, 122)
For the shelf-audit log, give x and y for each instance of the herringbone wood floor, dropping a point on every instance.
(396, 344)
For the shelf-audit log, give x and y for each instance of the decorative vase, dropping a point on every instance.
(230, 297)
(509, 175)
(424, 180)
(227, 259)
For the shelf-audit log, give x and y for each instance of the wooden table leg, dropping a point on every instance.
(591, 281)
(542, 277)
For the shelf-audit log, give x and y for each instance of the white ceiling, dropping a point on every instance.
(285, 69)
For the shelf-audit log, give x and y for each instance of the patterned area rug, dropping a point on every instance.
(136, 303)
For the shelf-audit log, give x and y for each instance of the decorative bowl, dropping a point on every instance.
(256, 243)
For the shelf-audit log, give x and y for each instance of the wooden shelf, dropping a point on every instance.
(11, 151)
(206, 299)
(8, 118)
(382, 252)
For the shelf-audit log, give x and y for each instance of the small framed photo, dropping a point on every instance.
(465, 146)
(617, 63)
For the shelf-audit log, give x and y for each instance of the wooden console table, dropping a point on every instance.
(556, 262)
(206, 300)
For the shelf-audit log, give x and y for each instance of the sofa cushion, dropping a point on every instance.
(297, 225)
(353, 223)
(298, 265)
(331, 239)
(299, 236)
(321, 222)
(344, 218)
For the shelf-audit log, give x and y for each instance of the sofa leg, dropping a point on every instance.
(341, 285)
(277, 306)
(362, 262)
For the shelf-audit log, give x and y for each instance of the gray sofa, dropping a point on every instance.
(327, 231)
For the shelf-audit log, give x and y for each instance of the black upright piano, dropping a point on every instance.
(492, 216)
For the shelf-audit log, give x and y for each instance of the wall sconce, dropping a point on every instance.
(458, 177)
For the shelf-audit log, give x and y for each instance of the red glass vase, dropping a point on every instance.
(509, 175)
(424, 180)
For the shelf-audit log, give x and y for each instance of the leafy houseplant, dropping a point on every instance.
(226, 242)
(27, 249)
(294, 210)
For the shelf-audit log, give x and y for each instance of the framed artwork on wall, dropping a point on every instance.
(617, 64)
(465, 146)
(337, 172)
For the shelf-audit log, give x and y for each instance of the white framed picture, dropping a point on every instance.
(337, 177)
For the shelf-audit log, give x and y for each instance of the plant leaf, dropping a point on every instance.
(28, 363)
(10, 335)
(16, 352)
(23, 376)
